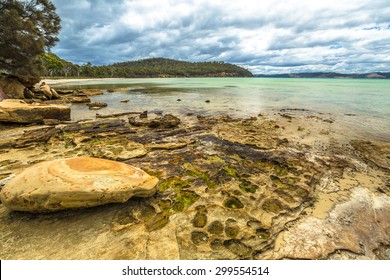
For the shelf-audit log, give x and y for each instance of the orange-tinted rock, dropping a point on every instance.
(75, 183)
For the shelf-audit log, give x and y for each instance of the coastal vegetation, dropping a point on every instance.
(54, 66)
(193, 183)
(27, 30)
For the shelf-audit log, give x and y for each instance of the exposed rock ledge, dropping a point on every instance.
(18, 111)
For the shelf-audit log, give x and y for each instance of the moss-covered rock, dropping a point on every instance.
(199, 237)
(200, 220)
(184, 200)
(233, 203)
(215, 227)
(238, 248)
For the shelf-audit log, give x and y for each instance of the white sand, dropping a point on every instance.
(64, 81)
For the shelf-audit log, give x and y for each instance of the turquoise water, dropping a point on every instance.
(362, 104)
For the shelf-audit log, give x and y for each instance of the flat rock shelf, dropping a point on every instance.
(288, 185)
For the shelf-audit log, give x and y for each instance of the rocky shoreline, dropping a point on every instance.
(287, 185)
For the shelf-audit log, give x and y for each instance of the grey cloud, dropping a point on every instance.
(279, 37)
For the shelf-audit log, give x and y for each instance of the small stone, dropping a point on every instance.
(167, 121)
(91, 92)
(80, 99)
(144, 115)
(97, 105)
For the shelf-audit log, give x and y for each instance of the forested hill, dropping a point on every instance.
(152, 67)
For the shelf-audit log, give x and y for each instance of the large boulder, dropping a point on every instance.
(12, 87)
(75, 183)
(167, 121)
(18, 111)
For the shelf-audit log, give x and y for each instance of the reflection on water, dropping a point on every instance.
(367, 100)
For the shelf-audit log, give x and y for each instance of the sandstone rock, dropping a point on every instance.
(12, 87)
(80, 99)
(26, 136)
(137, 121)
(91, 92)
(28, 81)
(48, 91)
(2, 95)
(359, 226)
(75, 183)
(18, 111)
(144, 115)
(167, 121)
(28, 94)
(117, 151)
(97, 105)
(65, 92)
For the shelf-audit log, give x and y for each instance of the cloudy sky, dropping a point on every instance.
(265, 36)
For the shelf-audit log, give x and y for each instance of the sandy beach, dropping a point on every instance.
(53, 82)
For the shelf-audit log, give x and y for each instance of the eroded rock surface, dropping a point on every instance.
(75, 183)
(357, 226)
(228, 188)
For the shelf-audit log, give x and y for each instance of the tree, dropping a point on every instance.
(27, 29)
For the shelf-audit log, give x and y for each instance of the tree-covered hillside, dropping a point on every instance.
(152, 67)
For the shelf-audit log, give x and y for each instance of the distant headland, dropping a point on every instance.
(54, 66)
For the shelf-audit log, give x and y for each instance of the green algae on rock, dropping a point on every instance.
(199, 237)
(200, 220)
(233, 203)
(221, 196)
(215, 227)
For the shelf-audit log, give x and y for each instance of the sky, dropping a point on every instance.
(264, 36)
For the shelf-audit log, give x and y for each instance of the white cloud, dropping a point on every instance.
(273, 35)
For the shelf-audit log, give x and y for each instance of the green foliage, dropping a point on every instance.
(152, 67)
(26, 29)
(56, 67)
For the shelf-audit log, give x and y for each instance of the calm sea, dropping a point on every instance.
(359, 104)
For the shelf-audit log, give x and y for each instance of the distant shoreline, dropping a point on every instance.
(328, 75)
(53, 81)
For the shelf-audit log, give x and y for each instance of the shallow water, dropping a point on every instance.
(359, 104)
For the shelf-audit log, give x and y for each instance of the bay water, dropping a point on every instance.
(359, 104)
